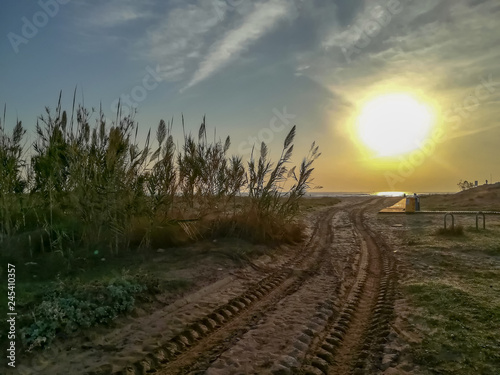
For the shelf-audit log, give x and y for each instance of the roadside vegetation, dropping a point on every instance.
(87, 192)
(451, 284)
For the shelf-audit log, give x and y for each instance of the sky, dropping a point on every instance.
(256, 68)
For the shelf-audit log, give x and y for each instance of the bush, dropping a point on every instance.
(92, 186)
(64, 311)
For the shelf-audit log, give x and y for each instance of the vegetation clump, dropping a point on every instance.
(65, 309)
(83, 188)
(84, 194)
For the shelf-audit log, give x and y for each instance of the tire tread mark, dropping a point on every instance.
(183, 341)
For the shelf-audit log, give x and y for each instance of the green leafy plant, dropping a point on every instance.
(67, 309)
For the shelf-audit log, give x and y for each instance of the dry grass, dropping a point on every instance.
(88, 201)
(450, 281)
(482, 198)
(85, 188)
(451, 231)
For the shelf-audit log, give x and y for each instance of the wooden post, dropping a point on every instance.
(452, 220)
(477, 220)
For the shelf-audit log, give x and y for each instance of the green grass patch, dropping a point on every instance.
(461, 331)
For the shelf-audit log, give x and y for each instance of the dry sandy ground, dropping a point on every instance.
(330, 305)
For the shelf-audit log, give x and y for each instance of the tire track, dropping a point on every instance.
(228, 321)
(353, 341)
(278, 340)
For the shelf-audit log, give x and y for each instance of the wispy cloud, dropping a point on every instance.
(258, 23)
(189, 41)
(119, 16)
(447, 36)
(178, 40)
(112, 13)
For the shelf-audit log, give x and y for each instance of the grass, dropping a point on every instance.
(87, 201)
(482, 198)
(454, 231)
(452, 286)
(84, 188)
(461, 331)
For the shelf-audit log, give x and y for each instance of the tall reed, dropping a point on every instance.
(88, 182)
(12, 182)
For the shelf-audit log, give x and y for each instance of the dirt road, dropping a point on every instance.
(325, 308)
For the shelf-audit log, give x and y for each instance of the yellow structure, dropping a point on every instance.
(405, 205)
(411, 204)
(399, 207)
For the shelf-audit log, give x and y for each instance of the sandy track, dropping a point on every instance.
(355, 341)
(325, 308)
(351, 309)
(218, 346)
(115, 350)
(278, 341)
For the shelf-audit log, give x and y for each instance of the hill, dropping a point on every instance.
(484, 198)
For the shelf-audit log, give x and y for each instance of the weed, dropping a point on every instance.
(455, 231)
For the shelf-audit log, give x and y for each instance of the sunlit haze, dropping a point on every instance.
(394, 124)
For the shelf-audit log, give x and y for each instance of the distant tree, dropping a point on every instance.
(465, 185)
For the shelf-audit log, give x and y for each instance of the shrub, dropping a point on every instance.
(93, 187)
(65, 310)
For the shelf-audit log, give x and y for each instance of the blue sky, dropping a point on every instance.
(255, 68)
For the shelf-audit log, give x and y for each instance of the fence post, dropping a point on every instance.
(477, 220)
(452, 220)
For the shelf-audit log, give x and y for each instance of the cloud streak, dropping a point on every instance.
(113, 13)
(178, 41)
(258, 23)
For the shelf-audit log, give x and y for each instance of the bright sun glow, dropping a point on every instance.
(394, 124)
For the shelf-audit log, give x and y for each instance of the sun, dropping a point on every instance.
(394, 124)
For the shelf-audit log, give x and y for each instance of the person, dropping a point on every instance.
(417, 202)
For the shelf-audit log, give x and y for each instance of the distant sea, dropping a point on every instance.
(359, 194)
(336, 194)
